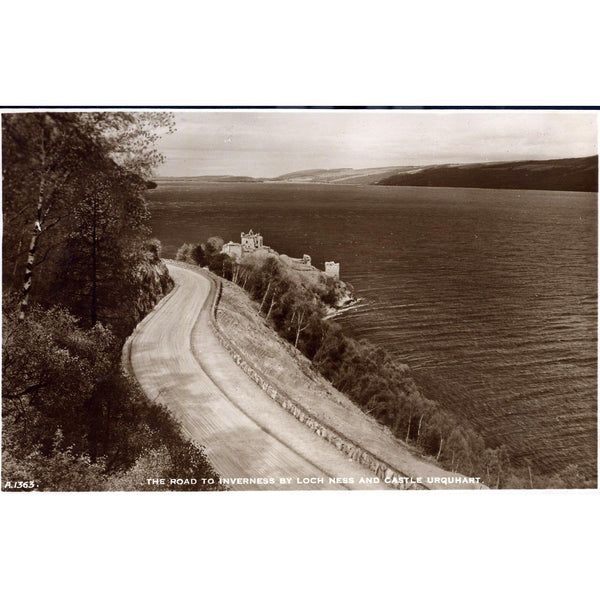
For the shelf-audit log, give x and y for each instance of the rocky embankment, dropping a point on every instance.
(153, 282)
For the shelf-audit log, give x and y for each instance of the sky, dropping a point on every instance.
(271, 143)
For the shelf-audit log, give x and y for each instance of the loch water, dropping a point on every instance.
(490, 296)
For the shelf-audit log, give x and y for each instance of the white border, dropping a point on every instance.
(498, 545)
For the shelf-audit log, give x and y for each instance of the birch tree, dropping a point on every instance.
(48, 151)
(45, 155)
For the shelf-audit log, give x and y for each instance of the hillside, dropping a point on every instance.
(571, 174)
(343, 176)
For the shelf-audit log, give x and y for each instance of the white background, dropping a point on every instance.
(274, 545)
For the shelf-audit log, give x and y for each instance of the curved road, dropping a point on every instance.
(179, 362)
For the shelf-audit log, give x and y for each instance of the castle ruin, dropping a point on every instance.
(250, 242)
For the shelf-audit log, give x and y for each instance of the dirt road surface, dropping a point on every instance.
(178, 361)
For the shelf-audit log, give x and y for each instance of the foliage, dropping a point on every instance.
(73, 206)
(73, 421)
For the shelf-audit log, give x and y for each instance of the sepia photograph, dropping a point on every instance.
(329, 271)
(299, 299)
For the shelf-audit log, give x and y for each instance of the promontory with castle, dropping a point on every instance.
(253, 242)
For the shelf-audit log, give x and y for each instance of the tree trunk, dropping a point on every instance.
(419, 428)
(264, 298)
(37, 229)
(408, 428)
(298, 330)
(440, 449)
(246, 275)
(94, 268)
(270, 307)
(28, 274)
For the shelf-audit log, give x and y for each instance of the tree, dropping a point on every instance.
(198, 254)
(214, 245)
(184, 253)
(46, 157)
(97, 225)
(128, 138)
(51, 150)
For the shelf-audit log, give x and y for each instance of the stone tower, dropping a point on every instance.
(332, 269)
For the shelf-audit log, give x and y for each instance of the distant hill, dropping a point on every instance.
(345, 176)
(308, 174)
(212, 178)
(569, 174)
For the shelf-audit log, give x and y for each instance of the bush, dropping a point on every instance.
(73, 421)
(184, 253)
(154, 247)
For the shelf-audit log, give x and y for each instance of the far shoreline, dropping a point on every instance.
(159, 180)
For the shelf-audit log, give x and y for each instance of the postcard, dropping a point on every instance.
(299, 299)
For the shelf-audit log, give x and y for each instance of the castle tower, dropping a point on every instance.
(251, 241)
(332, 269)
